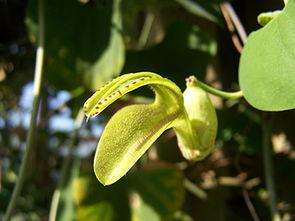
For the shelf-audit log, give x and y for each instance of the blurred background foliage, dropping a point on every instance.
(89, 42)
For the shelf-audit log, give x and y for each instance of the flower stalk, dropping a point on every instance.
(34, 115)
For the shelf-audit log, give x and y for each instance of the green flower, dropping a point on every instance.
(133, 129)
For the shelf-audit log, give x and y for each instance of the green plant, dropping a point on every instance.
(266, 77)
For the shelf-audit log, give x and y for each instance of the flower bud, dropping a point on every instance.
(197, 132)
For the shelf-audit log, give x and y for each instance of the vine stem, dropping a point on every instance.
(66, 168)
(194, 8)
(229, 12)
(268, 170)
(194, 189)
(219, 93)
(234, 20)
(34, 115)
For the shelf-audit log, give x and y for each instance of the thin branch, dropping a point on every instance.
(54, 205)
(234, 24)
(66, 168)
(195, 190)
(33, 122)
(196, 9)
(235, 19)
(235, 39)
(245, 192)
(268, 169)
(250, 204)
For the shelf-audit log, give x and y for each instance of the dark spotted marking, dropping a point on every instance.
(119, 91)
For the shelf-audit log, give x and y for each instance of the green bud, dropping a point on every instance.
(197, 132)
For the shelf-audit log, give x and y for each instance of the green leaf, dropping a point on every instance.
(152, 193)
(111, 62)
(94, 202)
(193, 44)
(141, 210)
(181, 216)
(267, 68)
(161, 187)
(83, 41)
(100, 211)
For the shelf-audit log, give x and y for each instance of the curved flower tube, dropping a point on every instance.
(133, 129)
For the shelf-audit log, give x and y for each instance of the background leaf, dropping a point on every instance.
(161, 187)
(101, 211)
(111, 62)
(95, 202)
(193, 53)
(142, 211)
(80, 38)
(155, 192)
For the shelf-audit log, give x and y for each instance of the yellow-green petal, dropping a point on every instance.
(128, 134)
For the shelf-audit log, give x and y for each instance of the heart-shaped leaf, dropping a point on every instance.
(267, 65)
